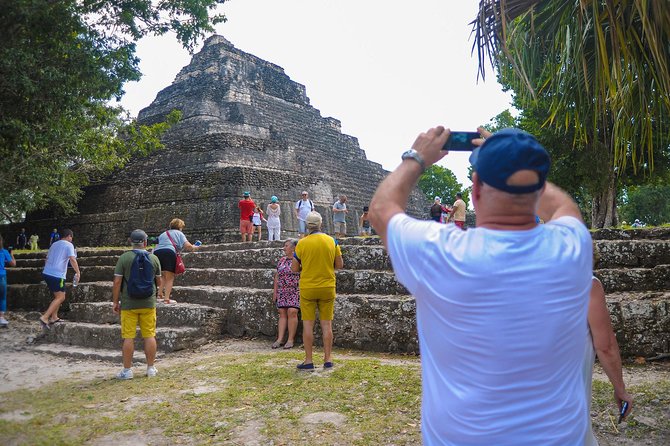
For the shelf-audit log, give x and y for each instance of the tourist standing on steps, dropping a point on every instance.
(274, 223)
(365, 229)
(502, 347)
(60, 254)
(169, 243)
(54, 236)
(22, 239)
(458, 212)
(139, 308)
(6, 259)
(286, 296)
(436, 210)
(257, 219)
(340, 212)
(317, 256)
(247, 207)
(33, 242)
(303, 207)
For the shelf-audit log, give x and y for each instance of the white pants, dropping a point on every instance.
(274, 233)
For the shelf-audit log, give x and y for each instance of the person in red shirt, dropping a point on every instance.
(247, 207)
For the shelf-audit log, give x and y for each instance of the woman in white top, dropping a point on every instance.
(274, 224)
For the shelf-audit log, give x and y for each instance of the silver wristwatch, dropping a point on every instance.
(414, 155)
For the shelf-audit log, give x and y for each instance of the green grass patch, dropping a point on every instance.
(236, 398)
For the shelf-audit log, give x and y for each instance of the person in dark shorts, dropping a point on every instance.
(60, 254)
(166, 251)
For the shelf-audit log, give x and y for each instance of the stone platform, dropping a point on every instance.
(227, 290)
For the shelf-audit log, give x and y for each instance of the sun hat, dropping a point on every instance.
(138, 236)
(274, 199)
(313, 219)
(507, 152)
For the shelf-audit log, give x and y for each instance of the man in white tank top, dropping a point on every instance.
(501, 308)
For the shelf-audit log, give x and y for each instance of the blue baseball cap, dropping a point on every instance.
(507, 152)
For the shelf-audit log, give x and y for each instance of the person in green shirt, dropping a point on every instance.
(136, 311)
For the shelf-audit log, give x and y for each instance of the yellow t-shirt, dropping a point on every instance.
(316, 253)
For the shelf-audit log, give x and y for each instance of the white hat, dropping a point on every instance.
(313, 219)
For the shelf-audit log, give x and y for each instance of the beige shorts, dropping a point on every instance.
(340, 227)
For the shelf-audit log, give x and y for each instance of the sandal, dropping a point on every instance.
(55, 321)
(276, 344)
(44, 325)
(288, 345)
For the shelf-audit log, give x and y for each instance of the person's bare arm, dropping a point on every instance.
(274, 288)
(75, 266)
(555, 203)
(605, 344)
(116, 290)
(339, 263)
(392, 194)
(188, 246)
(13, 261)
(295, 265)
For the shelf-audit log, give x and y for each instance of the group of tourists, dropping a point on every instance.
(507, 345)
(252, 217)
(444, 214)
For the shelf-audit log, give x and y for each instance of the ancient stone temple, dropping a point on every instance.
(246, 126)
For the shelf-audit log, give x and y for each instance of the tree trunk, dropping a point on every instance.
(603, 207)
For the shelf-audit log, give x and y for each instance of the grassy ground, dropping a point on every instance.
(256, 397)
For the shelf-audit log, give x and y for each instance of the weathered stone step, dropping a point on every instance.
(99, 354)
(169, 339)
(635, 279)
(348, 281)
(207, 318)
(632, 234)
(83, 262)
(632, 253)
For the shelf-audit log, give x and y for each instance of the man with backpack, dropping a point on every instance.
(303, 207)
(136, 278)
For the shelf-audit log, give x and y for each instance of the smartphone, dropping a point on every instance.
(624, 408)
(461, 141)
(197, 243)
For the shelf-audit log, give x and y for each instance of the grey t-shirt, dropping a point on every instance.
(340, 217)
(178, 238)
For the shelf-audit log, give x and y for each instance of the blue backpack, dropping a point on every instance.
(141, 282)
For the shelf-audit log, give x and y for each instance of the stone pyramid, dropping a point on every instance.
(245, 126)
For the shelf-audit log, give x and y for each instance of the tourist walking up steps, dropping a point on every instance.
(502, 346)
(60, 253)
(6, 259)
(170, 243)
(137, 276)
(317, 256)
(274, 222)
(286, 296)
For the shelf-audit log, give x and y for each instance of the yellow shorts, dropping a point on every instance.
(321, 298)
(146, 317)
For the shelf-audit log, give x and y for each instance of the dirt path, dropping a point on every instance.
(23, 368)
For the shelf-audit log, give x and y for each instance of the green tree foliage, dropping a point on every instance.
(650, 203)
(441, 182)
(597, 71)
(61, 62)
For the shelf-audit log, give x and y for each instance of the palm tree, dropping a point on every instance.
(603, 66)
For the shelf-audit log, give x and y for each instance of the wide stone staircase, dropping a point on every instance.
(227, 291)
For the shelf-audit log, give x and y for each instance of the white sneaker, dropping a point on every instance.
(151, 371)
(125, 374)
(3, 322)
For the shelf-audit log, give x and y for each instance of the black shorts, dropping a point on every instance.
(55, 284)
(168, 259)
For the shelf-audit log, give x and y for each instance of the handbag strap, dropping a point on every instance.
(172, 241)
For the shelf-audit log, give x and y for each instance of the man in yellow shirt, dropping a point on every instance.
(458, 212)
(316, 257)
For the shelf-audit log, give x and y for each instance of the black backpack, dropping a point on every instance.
(142, 275)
